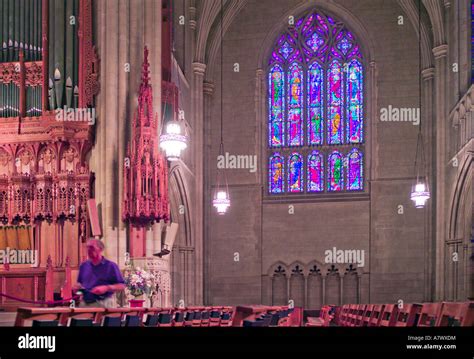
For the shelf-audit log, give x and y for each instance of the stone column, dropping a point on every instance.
(288, 288)
(306, 299)
(359, 288)
(123, 28)
(323, 289)
(208, 89)
(198, 151)
(110, 114)
(440, 54)
(341, 289)
(157, 230)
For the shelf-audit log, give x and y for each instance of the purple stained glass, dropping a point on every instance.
(308, 23)
(295, 173)
(315, 104)
(316, 90)
(335, 172)
(277, 106)
(335, 94)
(286, 50)
(295, 105)
(275, 180)
(315, 172)
(355, 101)
(315, 42)
(355, 170)
(344, 45)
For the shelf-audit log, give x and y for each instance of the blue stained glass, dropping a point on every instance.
(316, 98)
(286, 50)
(335, 172)
(315, 104)
(335, 94)
(355, 170)
(315, 42)
(295, 173)
(295, 105)
(355, 103)
(277, 106)
(344, 45)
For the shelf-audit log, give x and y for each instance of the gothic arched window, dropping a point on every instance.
(316, 109)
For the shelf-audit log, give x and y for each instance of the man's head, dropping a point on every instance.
(95, 248)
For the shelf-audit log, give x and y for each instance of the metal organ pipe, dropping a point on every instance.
(20, 31)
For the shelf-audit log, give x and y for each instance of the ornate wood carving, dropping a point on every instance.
(145, 169)
(88, 58)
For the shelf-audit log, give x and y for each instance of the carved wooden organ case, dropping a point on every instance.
(47, 63)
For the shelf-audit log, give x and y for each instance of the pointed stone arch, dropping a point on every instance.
(279, 280)
(297, 285)
(184, 275)
(315, 285)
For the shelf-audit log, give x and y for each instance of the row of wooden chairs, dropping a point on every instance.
(129, 317)
(409, 315)
(326, 317)
(271, 318)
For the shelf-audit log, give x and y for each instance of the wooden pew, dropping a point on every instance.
(323, 320)
(408, 315)
(456, 314)
(227, 317)
(343, 316)
(215, 316)
(150, 317)
(429, 314)
(351, 317)
(376, 315)
(295, 318)
(205, 317)
(119, 316)
(30, 314)
(337, 315)
(82, 317)
(178, 318)
(359, 316)
(250, 313)
(367, 314)
(389, 315)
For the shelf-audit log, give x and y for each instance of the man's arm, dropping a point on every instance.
(116, 287)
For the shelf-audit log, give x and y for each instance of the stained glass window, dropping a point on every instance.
(316, 109)
(355, 102)
(295, 173)
(315, 172)
(315, 104)
(295, 105)
(354, 170)
(277, 106)
(335, 172)
(335, 93)
(276, 173)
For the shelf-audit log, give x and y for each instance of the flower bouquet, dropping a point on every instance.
(138, 283)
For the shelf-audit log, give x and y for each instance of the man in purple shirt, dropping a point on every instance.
(98, 278)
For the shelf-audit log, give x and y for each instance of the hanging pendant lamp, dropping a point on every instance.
(221, 199)
(420, 192)
(173, 139)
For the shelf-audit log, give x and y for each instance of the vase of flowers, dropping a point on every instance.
(139, 282)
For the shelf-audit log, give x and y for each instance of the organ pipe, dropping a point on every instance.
(22, 30)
